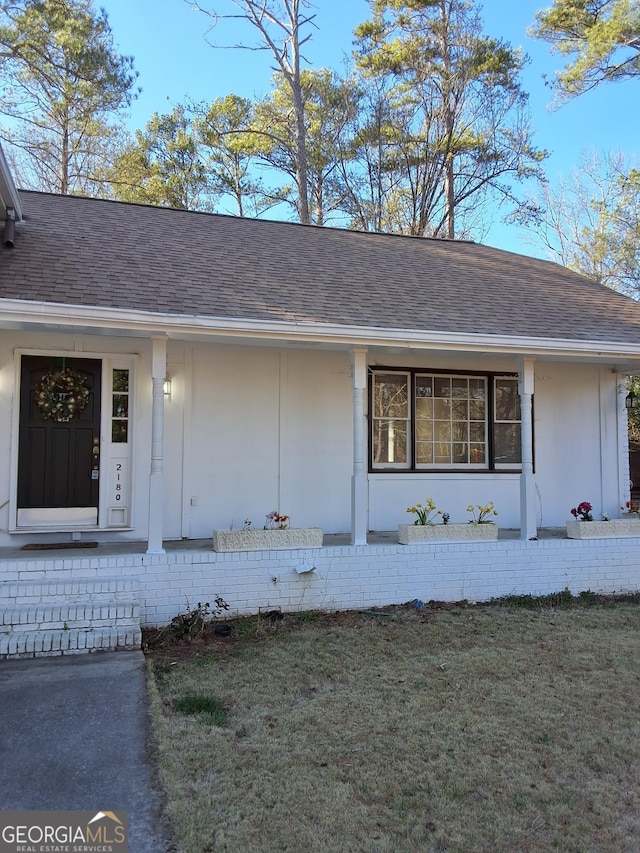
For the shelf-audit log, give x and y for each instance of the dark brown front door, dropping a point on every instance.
(58, 458)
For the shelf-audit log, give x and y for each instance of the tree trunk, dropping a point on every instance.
(449, 123)
(449, 196)
(301, 131)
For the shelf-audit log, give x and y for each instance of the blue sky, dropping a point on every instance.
(175, 63)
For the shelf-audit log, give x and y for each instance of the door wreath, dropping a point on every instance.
(62, 394)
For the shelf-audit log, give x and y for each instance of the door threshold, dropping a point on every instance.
(93, 529)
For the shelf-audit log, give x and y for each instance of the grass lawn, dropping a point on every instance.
(464, 728)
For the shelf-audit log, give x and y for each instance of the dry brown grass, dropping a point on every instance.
(462, 729)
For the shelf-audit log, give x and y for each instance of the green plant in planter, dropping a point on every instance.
(481, 514)
(428, 513)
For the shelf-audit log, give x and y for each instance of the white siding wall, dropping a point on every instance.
(270, 430)
(391, 494)
(575, 440)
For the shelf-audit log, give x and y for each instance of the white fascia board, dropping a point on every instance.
(116, 320)
(8, 191)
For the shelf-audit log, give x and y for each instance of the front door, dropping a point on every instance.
(59, 442)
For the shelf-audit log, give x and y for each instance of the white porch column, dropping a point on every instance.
(359, 483)
(528, 528)
(156, 479)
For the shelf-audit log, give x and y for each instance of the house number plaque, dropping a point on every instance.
(119, 489)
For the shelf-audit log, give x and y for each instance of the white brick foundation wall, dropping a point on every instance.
(330, 578)
(375, 575)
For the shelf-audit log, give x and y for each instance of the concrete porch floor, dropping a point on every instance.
(108, 549)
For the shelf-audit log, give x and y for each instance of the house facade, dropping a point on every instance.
(166, 373)
(248, 429)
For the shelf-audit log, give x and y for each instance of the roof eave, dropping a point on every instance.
(24, 314)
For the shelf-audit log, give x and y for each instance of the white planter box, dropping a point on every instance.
(267, 540)
(603, 529)
(411, 534)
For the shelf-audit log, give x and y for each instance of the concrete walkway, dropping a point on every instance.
(74, 734)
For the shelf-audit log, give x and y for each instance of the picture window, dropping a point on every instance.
(423, 421)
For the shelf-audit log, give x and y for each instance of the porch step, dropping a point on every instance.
(68, 616)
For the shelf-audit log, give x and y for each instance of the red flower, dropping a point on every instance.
(583, 510)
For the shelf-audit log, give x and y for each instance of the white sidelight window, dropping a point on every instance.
(391, 420)
(118, 448)
(506, 422)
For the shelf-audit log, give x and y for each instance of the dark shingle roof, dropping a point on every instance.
(100, 253)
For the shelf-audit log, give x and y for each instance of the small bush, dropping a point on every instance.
(588, 598)
(195, 619)
(305, 616)
(564, 600)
